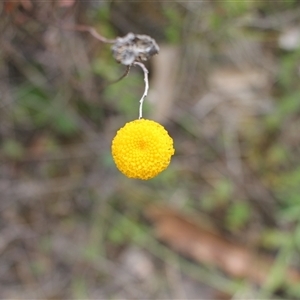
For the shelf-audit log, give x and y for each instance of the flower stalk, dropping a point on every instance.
(146, 87)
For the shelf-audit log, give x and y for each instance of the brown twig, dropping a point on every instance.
(92, 31)
(120, 78)
(106, 84)
(201, 244)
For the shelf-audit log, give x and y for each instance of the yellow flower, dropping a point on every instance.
(142, 149)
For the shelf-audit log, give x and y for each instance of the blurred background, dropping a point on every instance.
(222, 222)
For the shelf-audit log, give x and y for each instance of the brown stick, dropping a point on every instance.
(92, 31)
(208, 247)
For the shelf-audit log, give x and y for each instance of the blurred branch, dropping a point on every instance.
(276, 21)
(211, 248)
(92, 31)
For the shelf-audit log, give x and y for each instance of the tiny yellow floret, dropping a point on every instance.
(142, 149)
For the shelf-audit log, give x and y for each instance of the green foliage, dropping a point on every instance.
(277, 275)
(277, 155)
(39, 267)
(125, 230)
(65, 124)
(174, 28)
(125, 95)
(275, 238)
(79, 288)
(296, 237)
(237, 215)
(36, 108)
(31, 105)
(12, 149)
(106, 67)
(215, 21)
(290, 179)
(287, 76)
(223, 189)
(293, 290)
(219, 196)
(288, 105)
(102, 16)
(291, 213)
(235, 8)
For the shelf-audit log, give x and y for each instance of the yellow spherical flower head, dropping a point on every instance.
(142, 149)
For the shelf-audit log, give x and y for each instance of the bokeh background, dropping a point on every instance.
(222, 222)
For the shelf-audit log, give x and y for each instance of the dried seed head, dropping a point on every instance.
(134, 48)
